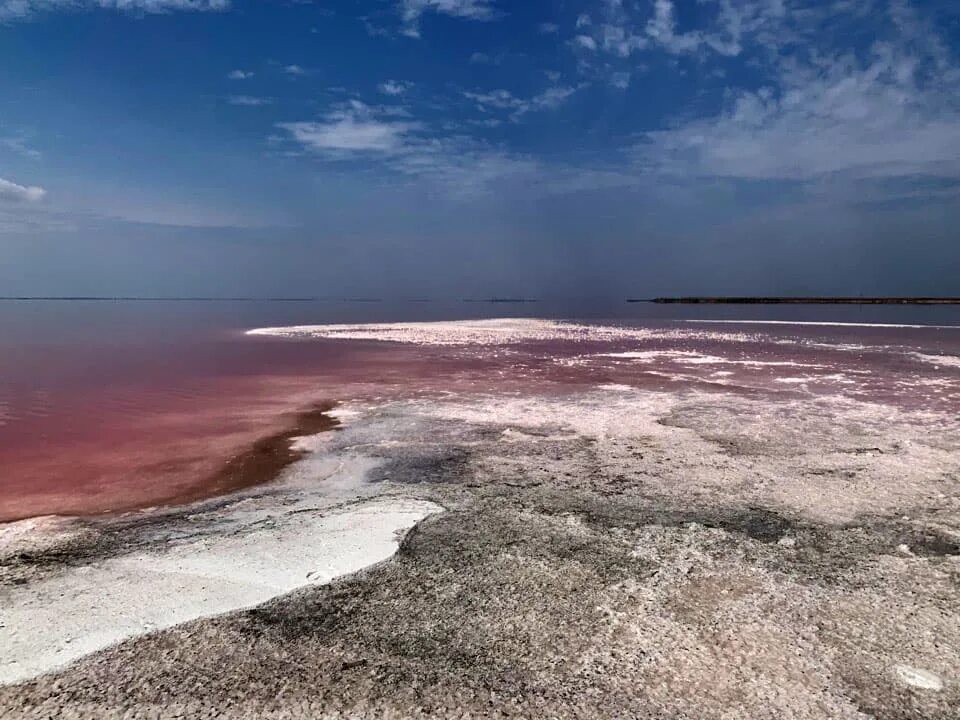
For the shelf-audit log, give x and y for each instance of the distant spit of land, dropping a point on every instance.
(804, 300)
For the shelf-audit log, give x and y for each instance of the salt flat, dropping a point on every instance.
(609, 546)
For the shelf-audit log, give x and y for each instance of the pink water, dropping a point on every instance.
(107, 407)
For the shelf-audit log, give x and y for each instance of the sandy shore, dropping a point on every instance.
(604, 551)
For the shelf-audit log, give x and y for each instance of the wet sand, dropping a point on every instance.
(625, 533)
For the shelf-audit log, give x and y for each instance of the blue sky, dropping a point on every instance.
(456, 147)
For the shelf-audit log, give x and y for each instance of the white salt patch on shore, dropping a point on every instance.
(651, 355)
(824, 324)
(705, 360)
(951, 361)
(835, 377)
(918, 678)
(343, 414)
(843, 347)
(474, 332)
(714, 360)
(502, 331)
(57, 620)
(690, 357)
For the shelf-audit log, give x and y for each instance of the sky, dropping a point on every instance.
(461, 148)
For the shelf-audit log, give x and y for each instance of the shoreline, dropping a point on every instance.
(264, 459)
(590, 545)
(609, 545)
(258, 462)
(818, 300)
(73, 585)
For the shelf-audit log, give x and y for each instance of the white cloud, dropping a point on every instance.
(239, 75)
(889, 113)
(395, 87)
(586, 42)
(583, 20)
(294, 70)
(412, 10)
(615, 39)
(249, 100)
(462, 167)
(12, 192)
(725, 39)
(724, 26)
(353, 128)
(452, 164)
(548, 28)
(21, 9)
(501, 99)
(549, 99)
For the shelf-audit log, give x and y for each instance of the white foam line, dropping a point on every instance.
(824, 324)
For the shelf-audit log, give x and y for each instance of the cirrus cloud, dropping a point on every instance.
(24, 9)
(412, 10)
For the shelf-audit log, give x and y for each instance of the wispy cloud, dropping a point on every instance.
(412, 10)
(239, 75)
(23, 9)
(12, 192)
(585, 41)
(295, 70)
(248, 100)
(394, 87)
(890, 112)
(724, 26)
(19, 145)
(620, 80)
(454, 164)
(548, 99)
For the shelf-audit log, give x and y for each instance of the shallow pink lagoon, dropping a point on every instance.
(107, 407)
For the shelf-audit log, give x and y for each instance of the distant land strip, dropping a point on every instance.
(803, 300)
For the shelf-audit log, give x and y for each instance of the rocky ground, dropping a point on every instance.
(607, 553)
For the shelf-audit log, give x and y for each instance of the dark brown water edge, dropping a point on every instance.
(258, 463)
(264, 459)
(823, 300)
